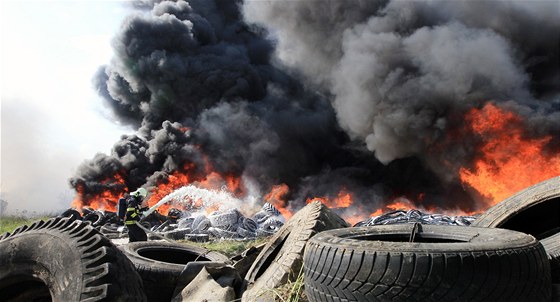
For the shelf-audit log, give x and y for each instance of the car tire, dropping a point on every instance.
(160, 264)
(551, 245)
(414, 262)
(535, 211)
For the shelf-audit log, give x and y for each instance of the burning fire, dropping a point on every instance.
(174, 181)
(107, 199)
(277, 198)
(116, 188)
(509, 161)
(212, 181)
(342, 200)
(355, 212)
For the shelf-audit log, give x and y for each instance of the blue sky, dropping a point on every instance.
(51, 117)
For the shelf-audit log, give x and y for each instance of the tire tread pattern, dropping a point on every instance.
(518, 274)
(103, 266)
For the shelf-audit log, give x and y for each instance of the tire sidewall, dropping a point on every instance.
(131, 250)
(45, 256)
(467, 238)
(72, 259)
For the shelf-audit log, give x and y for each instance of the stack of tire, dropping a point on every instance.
(64, 259)
(510, 253)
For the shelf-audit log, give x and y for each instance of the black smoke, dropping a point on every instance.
(403, 73)
(322, 95)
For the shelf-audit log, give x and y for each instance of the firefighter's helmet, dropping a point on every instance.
(141, 192)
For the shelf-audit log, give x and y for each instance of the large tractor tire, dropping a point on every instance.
(160, 264)
(281, 258)
(63, 259)
(414, 262)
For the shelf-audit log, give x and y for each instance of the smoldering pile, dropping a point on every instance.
(189, 225)
(416, 216)
(225, 224)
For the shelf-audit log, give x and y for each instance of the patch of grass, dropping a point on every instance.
(292, 291)
(229, 248)
(10, 223)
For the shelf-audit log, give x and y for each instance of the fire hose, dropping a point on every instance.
(154, 207)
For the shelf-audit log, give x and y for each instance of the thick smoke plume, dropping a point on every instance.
(398, 70)
(322, 95)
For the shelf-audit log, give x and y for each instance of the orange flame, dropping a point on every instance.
(277, 198)
(235, 185)
(399, 204)
(212, 181)
(342, 200)
(106, 200)
(174, 181)
(344, 204)
(508, 160)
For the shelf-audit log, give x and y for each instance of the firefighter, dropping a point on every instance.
(133, 214)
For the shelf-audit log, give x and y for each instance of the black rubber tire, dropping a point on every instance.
(552, 247)
(63, 259)
(249, 225)
(160, 264)
(71, 213)
(97, 218)
(226, 220)
(176, 234)
(535, 210)
(201, 223)
(555, 292)
(111, 231)
(444, 263)
(282, 257)
(110, 217)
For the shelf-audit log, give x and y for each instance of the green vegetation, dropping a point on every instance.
(10, 223)
(292, 291)
(229, 248)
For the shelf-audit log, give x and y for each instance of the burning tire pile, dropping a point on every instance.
(177, 225)
(497, 258)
